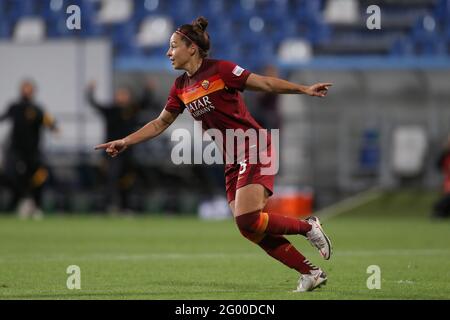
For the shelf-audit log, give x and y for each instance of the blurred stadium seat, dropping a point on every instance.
(295, 50)
(419, 27)
(342, 12)
(115, 11)
(409, 150)
(30, 29)
(154, 31)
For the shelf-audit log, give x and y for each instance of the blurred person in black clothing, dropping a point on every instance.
(441, 208)
(24, 171)
(268, 113)
(121, 118)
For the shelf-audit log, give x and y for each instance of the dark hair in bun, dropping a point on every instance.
(200, 24)
(196, 33)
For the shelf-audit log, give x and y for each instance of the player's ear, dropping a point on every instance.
(192, 50)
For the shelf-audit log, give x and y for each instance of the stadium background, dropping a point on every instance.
(381, 126)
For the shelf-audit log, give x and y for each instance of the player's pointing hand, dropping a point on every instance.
(113, 148)
(318, 89)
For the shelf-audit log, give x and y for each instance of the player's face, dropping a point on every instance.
(179, 53)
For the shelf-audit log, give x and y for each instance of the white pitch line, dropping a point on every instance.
(211, 255)
(396, 252)
(130, 257)
(348, 204)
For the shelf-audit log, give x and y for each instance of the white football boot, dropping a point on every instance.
(308, 282)
(318, 238)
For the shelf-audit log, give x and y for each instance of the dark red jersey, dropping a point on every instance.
(211, 95)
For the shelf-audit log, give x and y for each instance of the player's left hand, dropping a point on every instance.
(318, 89)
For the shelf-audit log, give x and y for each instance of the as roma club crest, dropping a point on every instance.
(205, 84)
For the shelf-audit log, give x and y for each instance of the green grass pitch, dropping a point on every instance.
(157, 257)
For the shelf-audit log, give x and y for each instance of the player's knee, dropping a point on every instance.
(256, 206)
(250, 222)
(253, 237)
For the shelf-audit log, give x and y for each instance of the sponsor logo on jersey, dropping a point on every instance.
(200, 106)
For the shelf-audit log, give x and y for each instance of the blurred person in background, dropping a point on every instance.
(267, 114)
(121, 118)
(24, 171)
(441, 208)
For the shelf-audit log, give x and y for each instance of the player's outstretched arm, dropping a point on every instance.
(149, 131)
(257, 82)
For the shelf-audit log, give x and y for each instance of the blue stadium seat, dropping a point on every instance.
(447, 33)
(280, 30)
(402, 47)
(221, 32)
(431, 46)
(182, 11)
(88, 8)
(2, 7)
(419, 32)
(245, 34)
(306, 9)
(56, 28)
(221, 27)
(233, 52)
(17, 9)
(429, 40)
(2, 10)
(159, 52)
(90, 26)
(5, 28)
(144, 8)
(319, 32)
(276, 10)
(212, 9)
(14, 10)
(129, 49)
(51, 10)
(218, 50)
(240, 13)
(442, 11)
(264, 53)
(122, 33)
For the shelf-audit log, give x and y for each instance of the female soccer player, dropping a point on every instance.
(209, 89)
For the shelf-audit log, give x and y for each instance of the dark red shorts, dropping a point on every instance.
(238, 176)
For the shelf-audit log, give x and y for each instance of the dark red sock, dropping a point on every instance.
(262, 222)
(279, 224)
(280, 248)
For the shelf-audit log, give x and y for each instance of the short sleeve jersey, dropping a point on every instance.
(212, 96)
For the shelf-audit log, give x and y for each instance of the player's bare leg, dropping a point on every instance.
(250, 198)
(248, 211)
(266, 230)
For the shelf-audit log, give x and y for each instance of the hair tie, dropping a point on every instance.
(185, 35)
